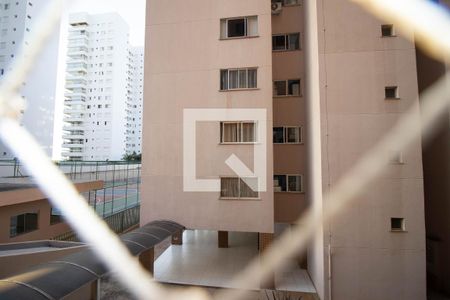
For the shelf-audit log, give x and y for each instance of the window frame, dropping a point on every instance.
(55, 218)
(403, 225)
(391, 29)
(287, 88)
(225, 21)
(238, 70)
(234, 19)
(285, 135)
(298, 2)
(25, 231)
(258, 197)
(287, 41)
(302, 190)
(396, 91)
(239, 133)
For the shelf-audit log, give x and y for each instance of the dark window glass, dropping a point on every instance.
(233, 79)
(279, 42)
(295, 183)
(279, 88)
(278, 135)
(248, 188)
(293, 134)
(294, 87)
(279, 183)
(397, 224)
(236, 27)
(23, 223)
(390, 92)
(224, 80)
(294, 41)
(387, 30)
(242, 79)
(252, 78)
(229, 187)
(55, 216)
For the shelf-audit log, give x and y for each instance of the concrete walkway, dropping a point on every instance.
(200, 262)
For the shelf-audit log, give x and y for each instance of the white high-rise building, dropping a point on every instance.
(98, 88)
(17, 20)
(134, 109)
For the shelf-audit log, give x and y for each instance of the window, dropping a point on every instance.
(239, 27)
(290, 2)
(238, 188)
(285, 42)
(288, 183)
(391, 92)
(237, 132)
(55, 215)
(232, 79)
(287, 135)
(286, 88)
(387, 30)
(397, 224)
(23, 223)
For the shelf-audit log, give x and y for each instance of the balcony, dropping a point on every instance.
(73, 119)
(78, 36)
(73, 110)
(76, 94)
(74, 99)
(73, 127)
(75, 146)
(76, 68)
(78, 27)
(72, 156)
(74, 51)
(73, 136)
(75, 84)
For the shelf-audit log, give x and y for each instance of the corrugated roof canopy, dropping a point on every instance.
(57, 279)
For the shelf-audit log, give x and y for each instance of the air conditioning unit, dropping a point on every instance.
(277, 7)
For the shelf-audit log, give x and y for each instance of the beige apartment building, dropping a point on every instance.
(252, 54)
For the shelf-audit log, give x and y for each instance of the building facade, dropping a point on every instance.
(135, 100)
(98, 88)
(231, 54)
(17, 26)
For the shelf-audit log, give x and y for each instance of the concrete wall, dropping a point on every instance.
(15, 264)
(368, 260)
(436, 165)
(182, 70)
(289, 111)
(45, 230)
(32, 200)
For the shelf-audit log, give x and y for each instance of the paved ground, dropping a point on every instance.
(111, 289)
(200, 262)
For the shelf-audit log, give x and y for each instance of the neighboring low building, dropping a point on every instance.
(27, 215)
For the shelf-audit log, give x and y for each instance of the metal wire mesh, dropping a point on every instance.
(431, 29)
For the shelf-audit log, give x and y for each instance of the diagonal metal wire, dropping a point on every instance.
(429, 21)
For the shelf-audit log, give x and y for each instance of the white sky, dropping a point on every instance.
(132, 11)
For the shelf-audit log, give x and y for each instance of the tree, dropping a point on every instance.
(132, 157)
